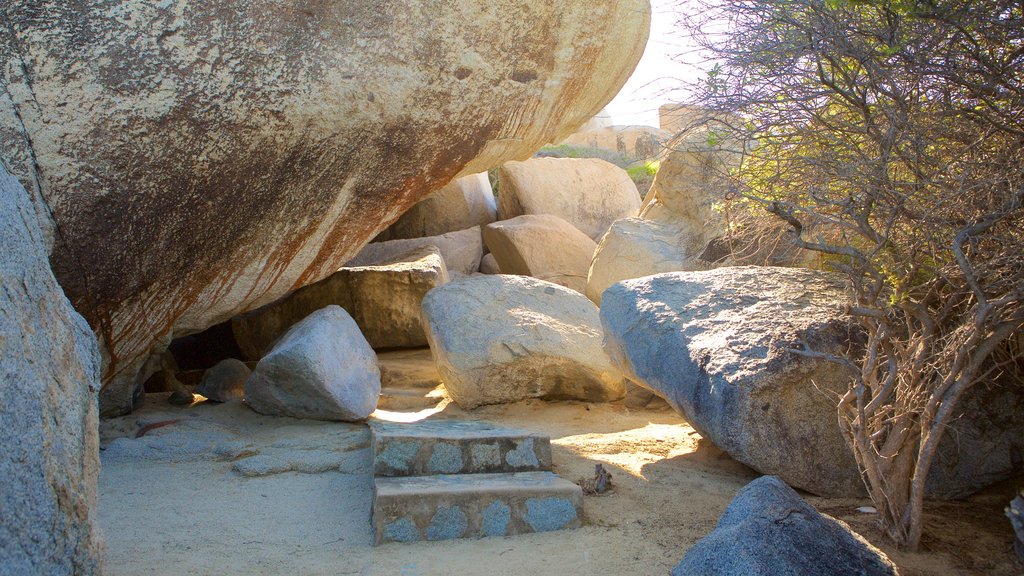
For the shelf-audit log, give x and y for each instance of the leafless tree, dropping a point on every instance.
(890, 138)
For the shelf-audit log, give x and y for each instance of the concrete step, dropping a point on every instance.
(455, 447)
(448, 506)
(404, 399)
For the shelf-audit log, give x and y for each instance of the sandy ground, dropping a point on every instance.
(174, 502)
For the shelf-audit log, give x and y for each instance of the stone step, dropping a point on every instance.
(448, 506)
(400, 399)
(455, 447)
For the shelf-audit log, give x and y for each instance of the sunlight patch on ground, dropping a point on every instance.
(633, 449)
(409, 417)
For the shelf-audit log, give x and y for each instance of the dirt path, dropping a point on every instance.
(171, 502)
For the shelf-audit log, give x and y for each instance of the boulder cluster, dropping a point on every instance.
(164, 173)
(168, 166)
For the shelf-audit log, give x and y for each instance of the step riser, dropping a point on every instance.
(417, 456)
(476, 514)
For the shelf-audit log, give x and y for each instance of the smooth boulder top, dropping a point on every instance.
(203, 158)
(321, 369)
(541, 246)
(503, 338)
(769, 530)
(588, 193)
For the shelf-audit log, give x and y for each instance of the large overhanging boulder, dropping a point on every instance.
(190, 160)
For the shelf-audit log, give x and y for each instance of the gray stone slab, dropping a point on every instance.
(455, 447)
(449, 506)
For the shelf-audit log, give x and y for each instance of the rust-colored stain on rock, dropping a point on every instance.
(201, 159)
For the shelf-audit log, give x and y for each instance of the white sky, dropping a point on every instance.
(657, 77)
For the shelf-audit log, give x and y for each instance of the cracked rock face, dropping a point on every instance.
(193, 160)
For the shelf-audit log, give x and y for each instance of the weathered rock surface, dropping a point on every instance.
(769, 530)
(588, 193)
(49, 374)
(178, 440)
(310, 461)
(384, 300)
(501, 338)
(716, 344)
(635, 247)
(984, 443)
(689, 184)
(322, 368)
(631, 142)
(224, 381)
(489, 265)
(464, 203)
(541, 246)
(261, 144)
(461, 250)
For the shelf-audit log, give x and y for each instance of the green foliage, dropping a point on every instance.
(642, 174)
(643, 171)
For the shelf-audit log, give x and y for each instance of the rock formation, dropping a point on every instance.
(714, 345)
(588, 193)
(464, 203)
(769, 529)
(719, 347)
(489, 265)
(634, 247)
(193, 160)
(676, 118)
(680, 216)
(460, 250)
(224, 381)
(49, 374)
(541, 246)
(384, 300)
(500, 338)
(322, 368)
